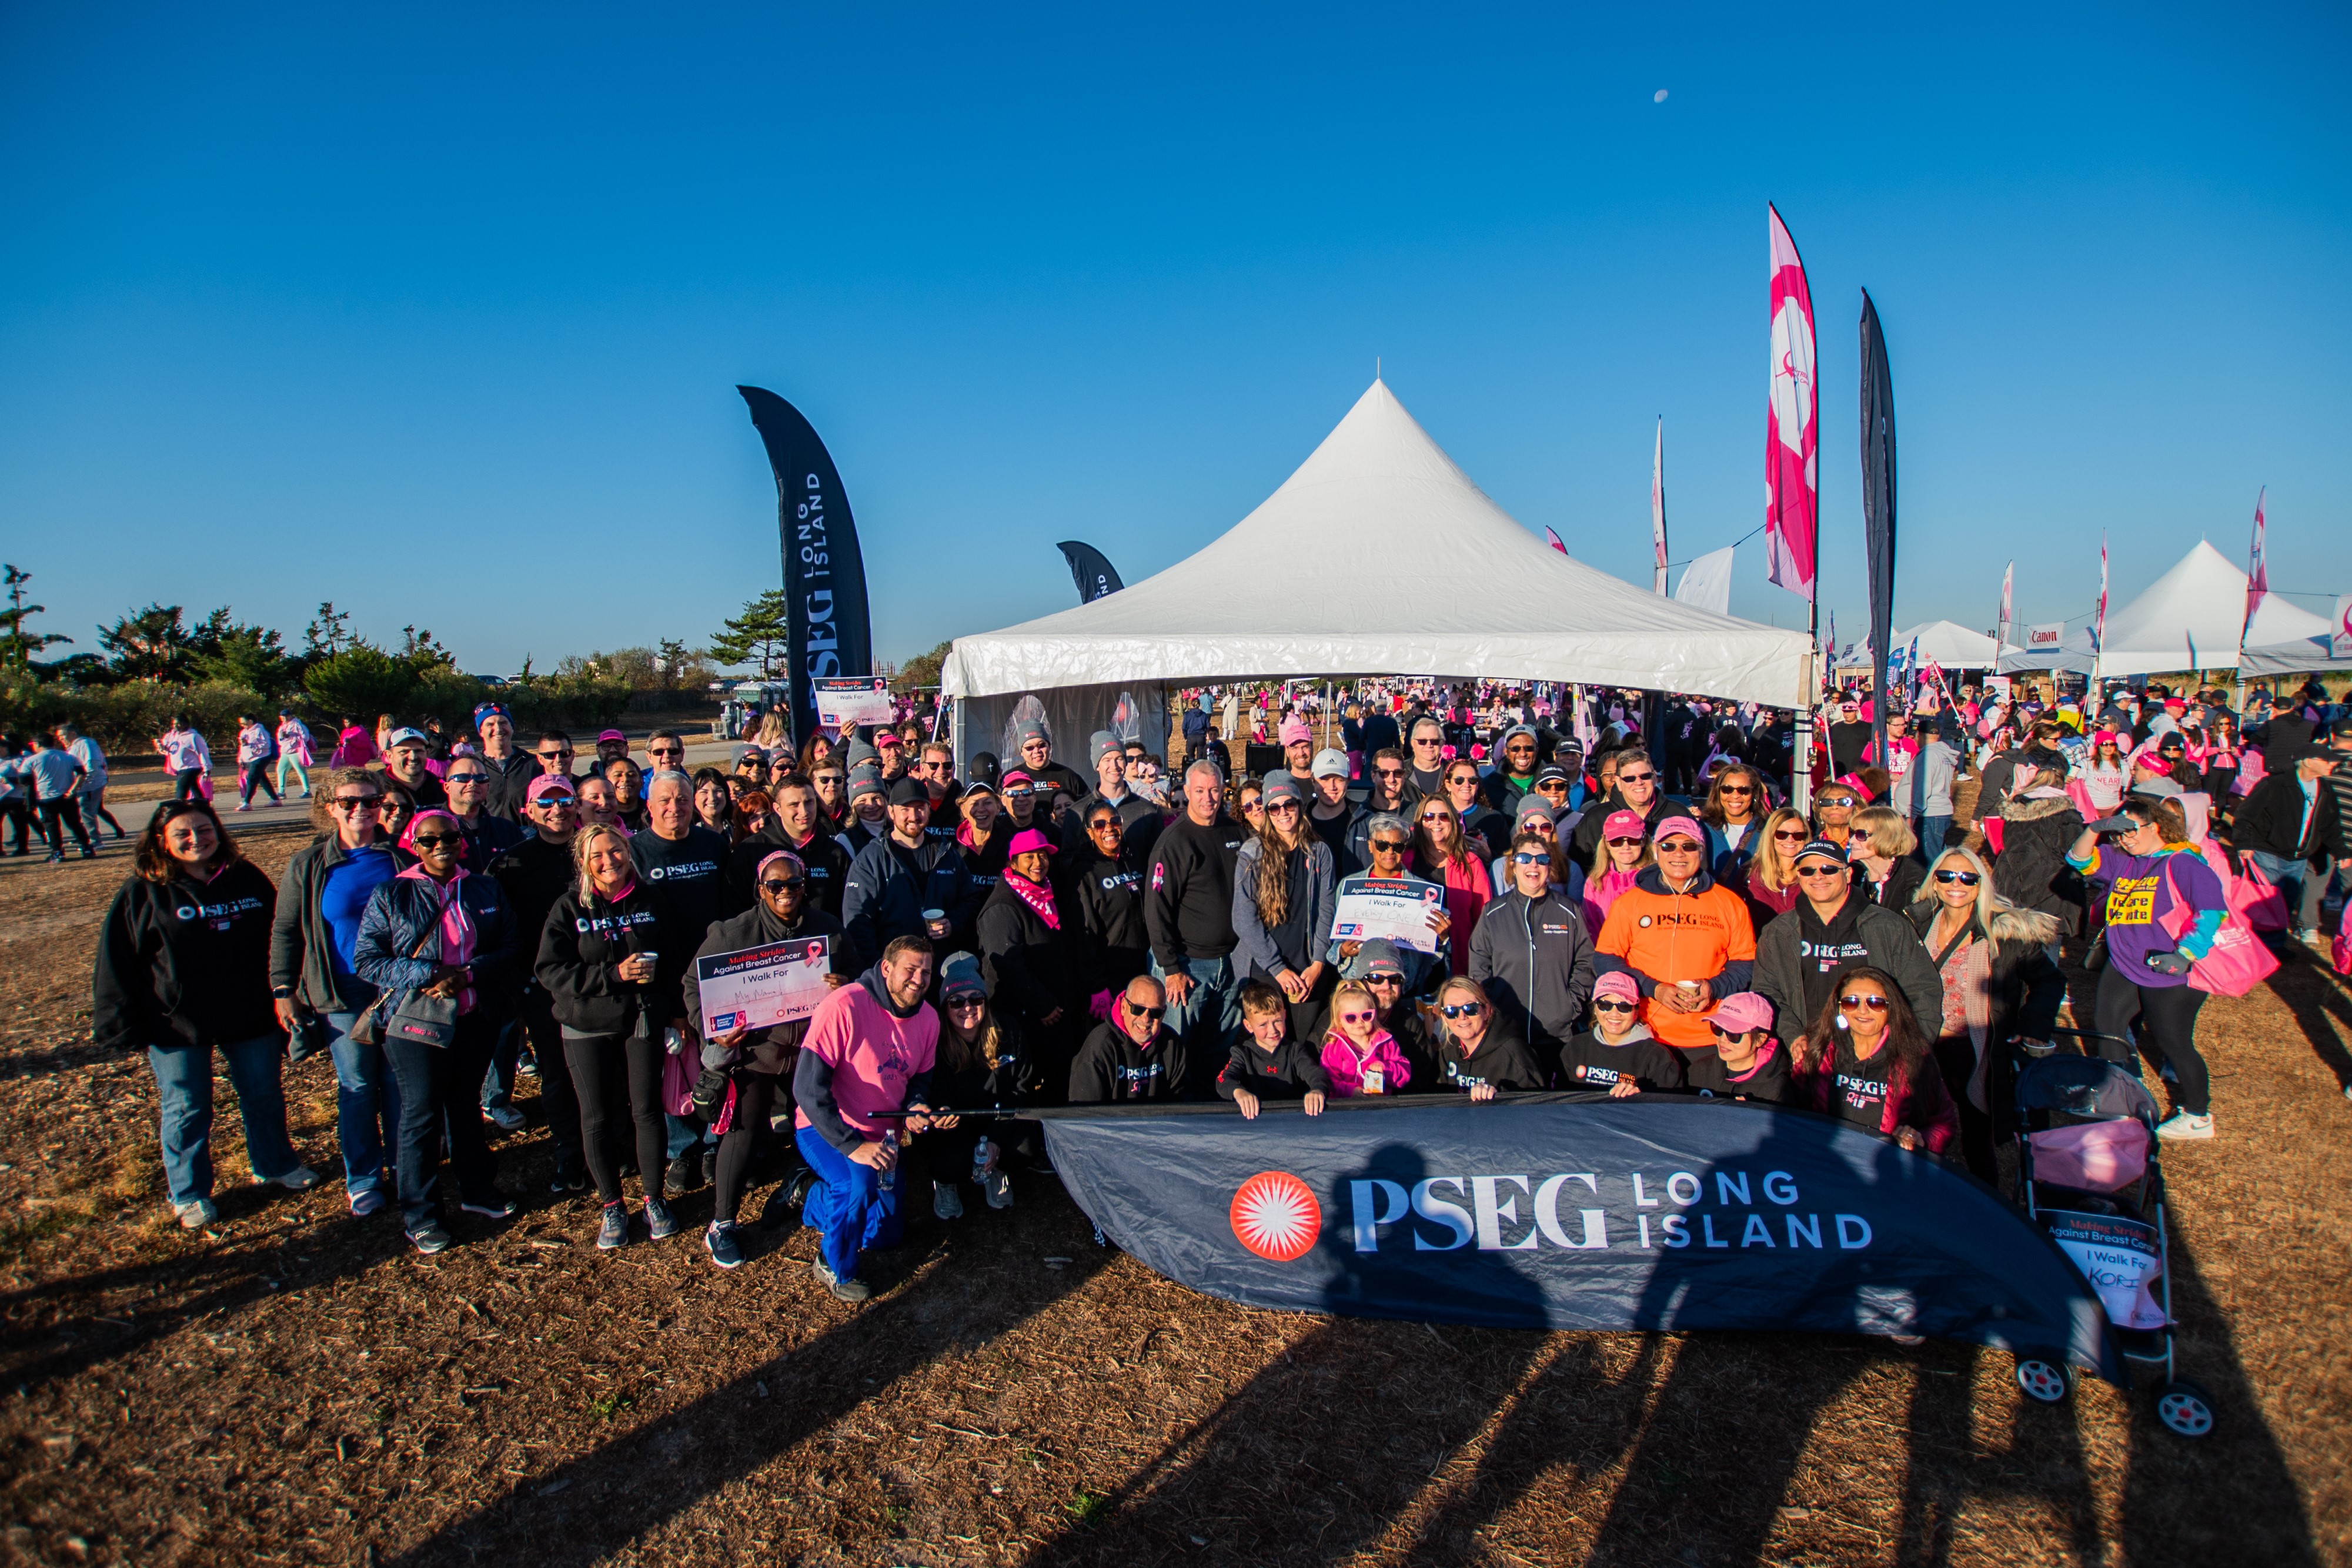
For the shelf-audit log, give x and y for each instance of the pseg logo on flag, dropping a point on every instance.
(1275, 1215)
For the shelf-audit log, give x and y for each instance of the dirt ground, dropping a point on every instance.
(296, 1387)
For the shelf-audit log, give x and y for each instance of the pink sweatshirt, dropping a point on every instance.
(1347, 1069)
(872, 1051)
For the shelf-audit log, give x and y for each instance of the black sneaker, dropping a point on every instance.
(568, 1181)
(429, 1241)
(720, 1243)
(685, 1173)
(495, 1206)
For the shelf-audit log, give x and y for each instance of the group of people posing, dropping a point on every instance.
(1030, 934)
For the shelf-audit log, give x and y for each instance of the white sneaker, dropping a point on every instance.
(2181, 1124)
(946, 1202)
(197, 1215)
(998, 1188)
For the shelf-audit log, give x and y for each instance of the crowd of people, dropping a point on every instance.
(1607, 914)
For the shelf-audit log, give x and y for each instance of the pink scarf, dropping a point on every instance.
(1039, 900)
(456, 926)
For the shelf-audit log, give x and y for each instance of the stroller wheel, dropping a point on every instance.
(2186, 1410)
(2042, 1381)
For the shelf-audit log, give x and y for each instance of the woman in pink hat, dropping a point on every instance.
(1624, 850)
(1027, 955)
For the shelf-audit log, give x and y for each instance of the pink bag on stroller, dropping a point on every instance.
(2091, 1157)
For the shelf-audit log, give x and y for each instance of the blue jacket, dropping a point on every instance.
(402, 910)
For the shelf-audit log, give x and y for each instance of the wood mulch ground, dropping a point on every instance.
(295, 1386)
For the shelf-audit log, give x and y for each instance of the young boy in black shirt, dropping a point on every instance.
(1266, 1063)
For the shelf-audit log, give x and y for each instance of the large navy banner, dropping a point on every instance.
(1580, 1213)
(824, 571)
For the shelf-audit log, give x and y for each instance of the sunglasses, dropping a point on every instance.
(434, 840)
(1790, 835)
(1253, 806)
(1102, 824)
(1676, 847)
(664, 751)
(1390, 772)
(1837, 802)
(1284, 806)
(357, 803)
(557, 801)
(1723, 1033)
(1862, 1004)
(1464, 1009)
(966, 1004)
(1815, 868)
(1387, 846)
(454, 779)
(1383, 982)
(1428, 740)
(1433, 817)
(1965, 878)
(1737, 790)
(1522, 857)
(1612, 1006)
(552, 756)
(1636, 839)
(1019, 792)
(774, 886)
(1366, 1017)
(1635, 778)
(1154, 1013)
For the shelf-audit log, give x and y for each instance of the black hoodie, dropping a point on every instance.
(1291, 1071)
(1502, 1061)
(580, 949)
(183, 962)
(1111, 1067)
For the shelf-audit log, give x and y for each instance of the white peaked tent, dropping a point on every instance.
(1949, 644)
(2189, 619)
(1378, 556)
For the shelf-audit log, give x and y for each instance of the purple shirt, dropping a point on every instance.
(2141, 899)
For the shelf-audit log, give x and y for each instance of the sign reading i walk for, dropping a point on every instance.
(1579, 1212)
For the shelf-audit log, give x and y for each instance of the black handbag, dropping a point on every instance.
(425, 1020)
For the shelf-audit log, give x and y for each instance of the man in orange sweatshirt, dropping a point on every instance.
(1685, 940)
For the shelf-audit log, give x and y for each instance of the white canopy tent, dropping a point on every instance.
(2189, 619)
(1949, 644)
(1377, 557)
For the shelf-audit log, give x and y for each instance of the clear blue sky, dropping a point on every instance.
(438, 311)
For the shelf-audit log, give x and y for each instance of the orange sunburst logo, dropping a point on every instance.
(1275, 1215)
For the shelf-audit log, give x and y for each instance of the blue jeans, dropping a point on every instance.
(1208, 1020)
(183, 1084)
(856, 1207)
(2298, 883)
(506, 1058)
(1931, 837)
(367, 1106)
(685, 1132)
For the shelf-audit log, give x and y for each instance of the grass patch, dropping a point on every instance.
(604, 1406)
(1087, 1508)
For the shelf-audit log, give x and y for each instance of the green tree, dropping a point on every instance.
(922, 670)
(329, 633)
(761, 635)
(360, 683)
(423, 653)
(17, 645)
(236, 654)
(150, 645)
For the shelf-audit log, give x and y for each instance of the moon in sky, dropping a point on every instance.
(1659, 96)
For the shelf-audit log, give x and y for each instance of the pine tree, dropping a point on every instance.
(17, 646)
(762, 635)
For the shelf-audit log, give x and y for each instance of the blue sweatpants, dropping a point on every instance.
(856, 1207)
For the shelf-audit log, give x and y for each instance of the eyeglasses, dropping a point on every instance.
(1790, 835)
(1143, 1012)
(774, 886)
(1524, 858)
(1365, 1017)
(1389, 772)
(434, 840)
(1622, 843)
(1464, 1009)
(1965, 878)
(1635, 778)
(1862, 1004)
(356, 802)
(1604, 1007)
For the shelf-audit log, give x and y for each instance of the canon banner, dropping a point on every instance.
(825, 575)
(1579, 1212)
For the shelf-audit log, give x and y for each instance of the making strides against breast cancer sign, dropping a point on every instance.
(1566, 1211)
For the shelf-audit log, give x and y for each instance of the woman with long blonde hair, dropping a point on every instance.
(1443, 853)
(1768, 880)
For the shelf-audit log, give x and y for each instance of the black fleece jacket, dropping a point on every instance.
(1188, 898)
(183, 962)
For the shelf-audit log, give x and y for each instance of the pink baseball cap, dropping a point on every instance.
(611, 735)
(1617, 986)
(1742, 1012)
(547, 784)
(1619, 824)
(1295, 730)
(1682, 825)
(887, 737)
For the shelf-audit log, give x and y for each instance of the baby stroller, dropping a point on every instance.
(2089, 1173)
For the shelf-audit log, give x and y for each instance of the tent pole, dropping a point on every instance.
(1801, 785)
